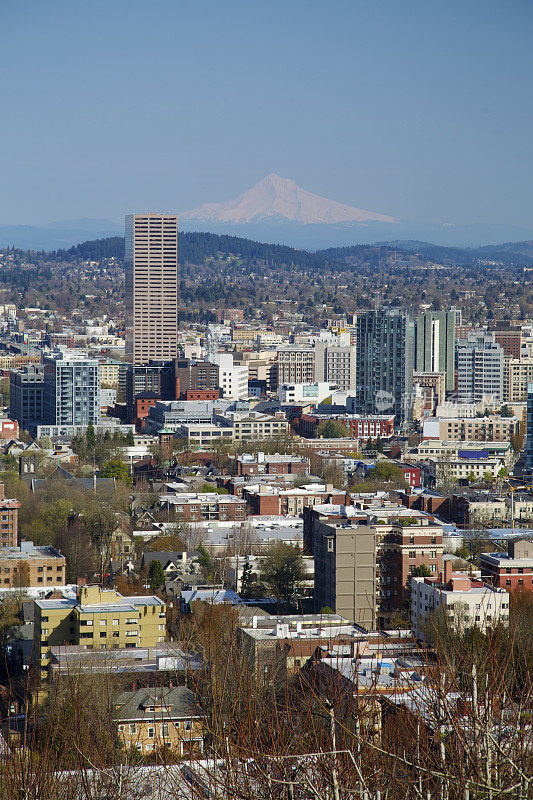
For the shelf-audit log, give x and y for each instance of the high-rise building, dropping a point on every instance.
(384, 363)
(296, 364)
(345, 571)
(517, 375)
(151, 257)
(479, 368)
(529, 431)
(26, 395)
(71, 394)
(335, 363)
(435, 344)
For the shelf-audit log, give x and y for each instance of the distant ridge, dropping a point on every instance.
(282, 199)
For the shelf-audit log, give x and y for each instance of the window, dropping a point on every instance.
(121, 728)
(412, 553)
(187, 725)
(330, 545)
(164, 729)
(151, 732)
(103, 622)
(133, 727)
(116, 621)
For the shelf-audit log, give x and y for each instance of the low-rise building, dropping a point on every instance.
(28, 565)
(471, 429)
(267, 500)
(266, 464)
(360, 426)
(511, 570)
(95, 617)
(466, 602)
(193, 507)
(157, 718)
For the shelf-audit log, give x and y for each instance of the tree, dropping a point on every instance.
(250, 589)
(282, 571)
(90, 436)
(205, 561)
(422, 571)
(332, 429)
(517, 440)
(115, 469)
(156, 575)
(379, 445)
(506, 411)
(385, 471)
(130, 439)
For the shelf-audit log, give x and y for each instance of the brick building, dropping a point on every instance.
(360, 426)
(187, 507)
(264, 500)
(9, 509)
(511, 570)
(31, 566)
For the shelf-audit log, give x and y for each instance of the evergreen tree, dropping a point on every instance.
(130, 439)
(90, 436)
(156, 575)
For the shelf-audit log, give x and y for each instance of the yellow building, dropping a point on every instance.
(97, 619)
(156, 717)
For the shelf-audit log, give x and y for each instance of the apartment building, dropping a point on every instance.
(435, 344)
(9, 510)
(479, 368)
(28, 565)
(405, 540)
(267, 464)
(466, 602)
(433, 388)
(346, 571)
(384, 363)
(509, 339)
(268, 500)
(512, 570)
(232, 379)
(253, 426)
(279, 646)
(96, 618)
(71, 390)
(335, 363)
(194, 507)
(359, 426)
(529, 432)
(152, 718)
(517, 373)
(261, 364)
(26, 387)
(472, 429)
(151, 273)
(295, 364)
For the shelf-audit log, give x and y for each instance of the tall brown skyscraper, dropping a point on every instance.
(151, 287)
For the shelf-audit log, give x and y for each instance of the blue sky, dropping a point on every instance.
(421, 110)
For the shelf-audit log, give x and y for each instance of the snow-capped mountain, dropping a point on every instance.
(275, 198)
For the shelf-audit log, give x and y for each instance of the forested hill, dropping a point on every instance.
(196, 248)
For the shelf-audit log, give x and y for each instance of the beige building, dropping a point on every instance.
(517, 373)
(296, 364)
(31, 566)
(151, 259)
(478, 429)
(97, 619)
(156, 718)
(345, 571)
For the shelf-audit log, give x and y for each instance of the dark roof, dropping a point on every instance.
(147, 396)
(177, 703)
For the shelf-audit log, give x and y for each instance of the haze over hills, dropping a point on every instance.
(278, 211)
(281, 198)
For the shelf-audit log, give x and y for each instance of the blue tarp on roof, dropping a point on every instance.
(471, 454)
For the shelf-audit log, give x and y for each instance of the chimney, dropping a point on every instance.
(347, 499)
(447, 571)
